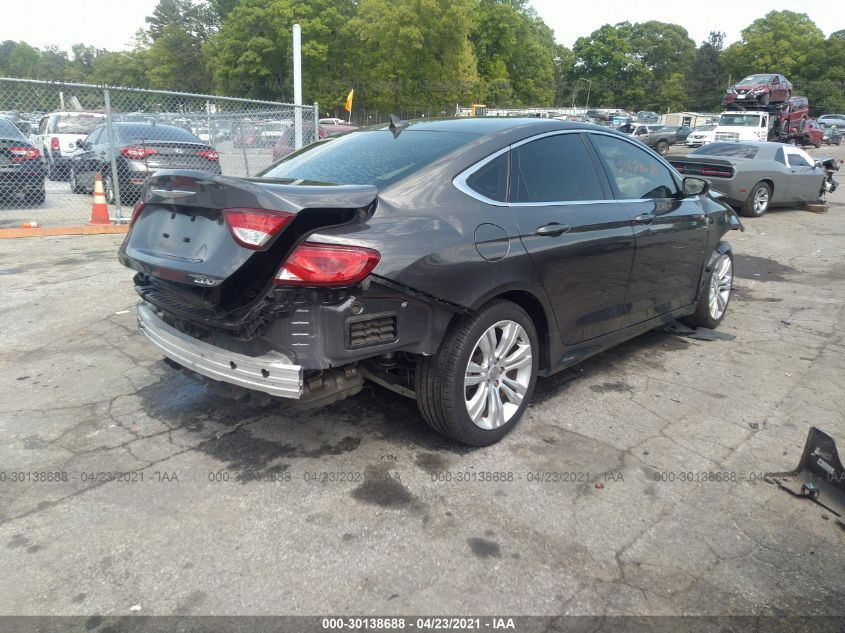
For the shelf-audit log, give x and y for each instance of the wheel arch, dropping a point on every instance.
(540, 314)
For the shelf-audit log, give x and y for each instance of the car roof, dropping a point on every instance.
(491, 125)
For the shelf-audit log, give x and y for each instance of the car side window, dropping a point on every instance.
(797, 160)
(636, 173)
(554, 169)
(491, 181)
(779, 156)
(42, 128)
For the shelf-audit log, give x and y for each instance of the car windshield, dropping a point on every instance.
(133, 133)
(732, 150)
(9, 131)
(77, 123)
(754, 79)
(372, 157)
(737, 119)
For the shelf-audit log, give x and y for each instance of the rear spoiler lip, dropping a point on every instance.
(703, 160)
(270, 194)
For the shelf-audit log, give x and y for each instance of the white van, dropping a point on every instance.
(57, 135)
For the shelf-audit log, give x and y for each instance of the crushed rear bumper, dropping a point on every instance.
(272, 373)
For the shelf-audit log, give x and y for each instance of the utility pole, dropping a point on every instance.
(297, 86)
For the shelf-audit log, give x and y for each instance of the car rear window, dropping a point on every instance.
(76, 123)
(150, 132)
(371, 157)
(9, 131)
(734, 150)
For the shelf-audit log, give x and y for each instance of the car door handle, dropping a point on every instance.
(552, 229)
(645, 217)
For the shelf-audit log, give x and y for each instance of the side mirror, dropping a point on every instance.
(695, 187)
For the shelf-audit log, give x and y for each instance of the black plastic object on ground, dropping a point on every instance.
(698, 333)
(819, 475)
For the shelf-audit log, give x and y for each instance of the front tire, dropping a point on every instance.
(711, 309)
(757, 202)
(662, 148)
(478, 385)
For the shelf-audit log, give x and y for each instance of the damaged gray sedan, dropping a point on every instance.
(450, 261)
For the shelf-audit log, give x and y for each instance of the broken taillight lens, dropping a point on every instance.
(314, 264)
(253, 228)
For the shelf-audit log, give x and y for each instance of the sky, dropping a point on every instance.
(112, 24)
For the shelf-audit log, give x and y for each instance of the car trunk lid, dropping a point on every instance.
(183, 244)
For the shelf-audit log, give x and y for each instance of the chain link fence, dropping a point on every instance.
(56, 137)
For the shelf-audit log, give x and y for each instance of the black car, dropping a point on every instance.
(22, 171)
(451, 261)
(139, 150)
(832, 135)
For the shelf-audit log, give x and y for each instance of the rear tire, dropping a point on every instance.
(662, 148)
(487, 363)
(718, 286)
(75, 187)
(758, 201)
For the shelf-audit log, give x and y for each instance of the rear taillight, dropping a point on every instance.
(137, 153)
(136, 212)
(327, 265)
(54, 144)
(720, 173)
(209, 154)
(21, 154)
(252, 228)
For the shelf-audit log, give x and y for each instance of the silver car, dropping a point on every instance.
(701, 135)
(756, 175)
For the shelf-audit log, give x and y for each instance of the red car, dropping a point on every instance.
(285, 144)
(759, 90)
(813, 133)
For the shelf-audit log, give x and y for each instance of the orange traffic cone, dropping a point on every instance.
(99, 210)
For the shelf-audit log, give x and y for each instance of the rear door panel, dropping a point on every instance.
(580, 241)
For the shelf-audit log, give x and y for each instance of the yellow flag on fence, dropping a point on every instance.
(348, 105)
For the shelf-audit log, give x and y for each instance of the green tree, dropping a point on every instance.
(194, 19)
(251, 54)
(664, 48)
(418, 51)
(780, 42)
(608, 59)
(175, 62)
(23, 60)
(706, 81)
(124, 68)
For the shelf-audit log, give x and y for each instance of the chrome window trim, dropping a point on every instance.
(460, 181)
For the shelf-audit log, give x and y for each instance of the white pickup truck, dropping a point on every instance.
(57, 135)
(746, 125)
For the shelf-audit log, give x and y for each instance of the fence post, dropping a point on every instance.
(115, 181)
(316, 122)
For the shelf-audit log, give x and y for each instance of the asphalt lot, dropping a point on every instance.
(222, 508)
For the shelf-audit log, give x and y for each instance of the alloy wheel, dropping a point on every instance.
(721, 282)
(761, 200)
(498, 375)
